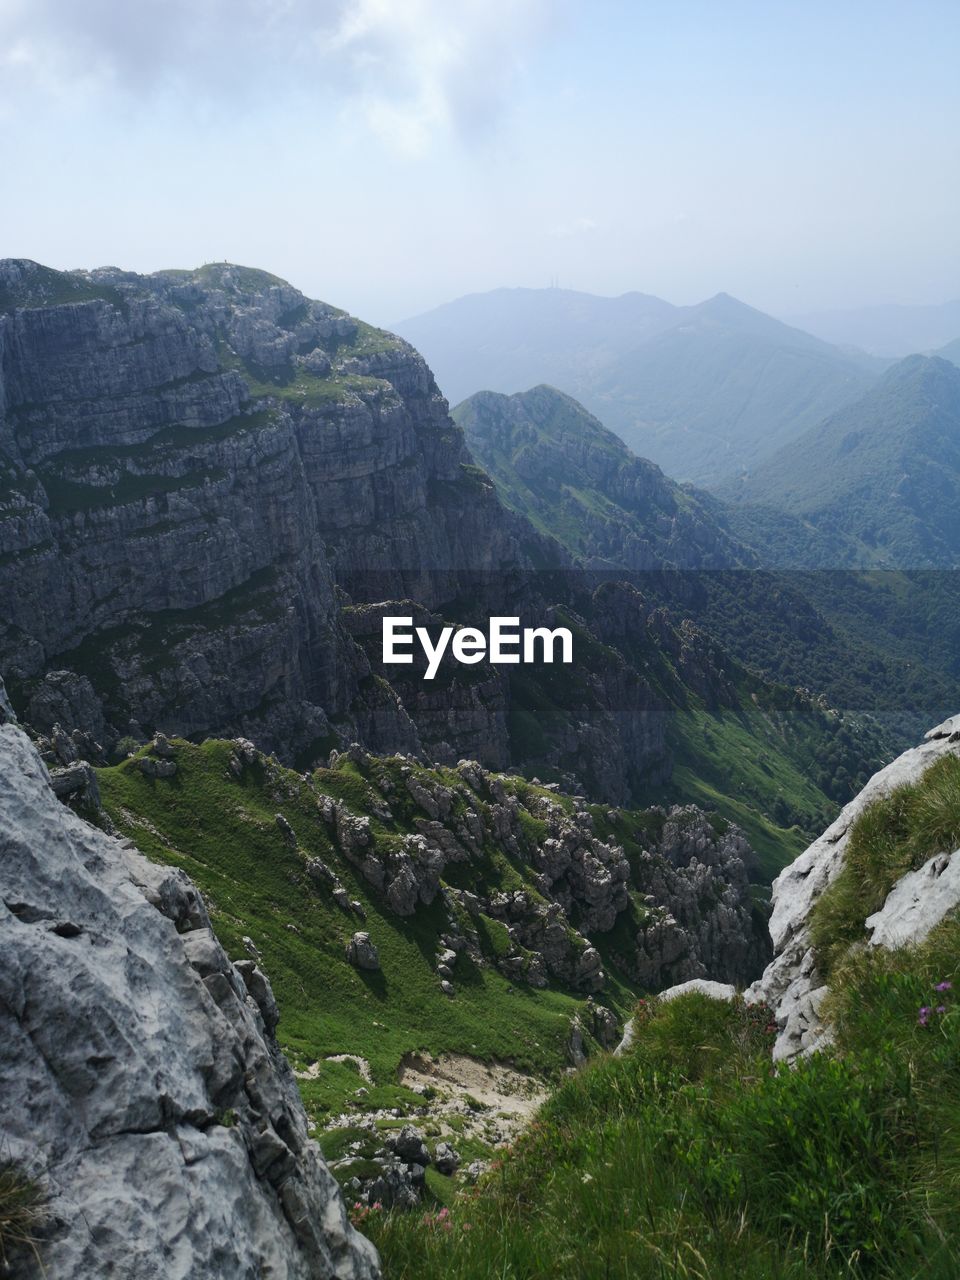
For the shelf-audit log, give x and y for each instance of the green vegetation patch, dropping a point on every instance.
(222, 831)
(21, 1215)
(65, 495)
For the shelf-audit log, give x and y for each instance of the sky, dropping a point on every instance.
(390, 155)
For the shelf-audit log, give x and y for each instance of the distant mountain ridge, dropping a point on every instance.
(882, 642)
(704, 391)
(882, 474)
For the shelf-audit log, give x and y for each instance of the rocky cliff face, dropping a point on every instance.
(191, 463)
(682, 900)
(207, 482)
(791, 983)
(143, 1088)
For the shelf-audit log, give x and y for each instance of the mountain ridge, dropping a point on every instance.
(701, 389)
(890, 330)
(727, 566)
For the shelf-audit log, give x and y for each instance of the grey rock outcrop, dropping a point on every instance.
(697, 919)
(409, 1146)
(917, 903)
(7, 714)
(213, 456)
(141, 1079)
(393, 1187)
(77, 781)
(791, 983)
(700, 921)
(446, 1159)
(362, 953)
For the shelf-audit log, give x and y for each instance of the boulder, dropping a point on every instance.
(445, 1159)
(408, 1145)
(361, 952)
(703, 987)
(152, 768)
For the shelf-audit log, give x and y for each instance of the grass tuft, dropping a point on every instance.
(21, 1214)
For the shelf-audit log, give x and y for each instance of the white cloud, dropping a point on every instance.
(412, 69)
(428, 66)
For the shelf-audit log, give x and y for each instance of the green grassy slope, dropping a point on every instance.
(693, 1156)
(222, 831)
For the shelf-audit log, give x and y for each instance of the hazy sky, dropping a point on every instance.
(388, 155)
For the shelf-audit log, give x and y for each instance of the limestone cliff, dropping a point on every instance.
(142, 1086)
(191, 464)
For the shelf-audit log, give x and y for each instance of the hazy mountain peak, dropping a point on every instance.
(704, 390)
(920, 371)
(725, 303)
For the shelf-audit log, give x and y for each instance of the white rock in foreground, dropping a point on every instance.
(139, 1073)
(790, 984)
(917, 902)
(703, 987)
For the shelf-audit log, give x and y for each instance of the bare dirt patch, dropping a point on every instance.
(485, 1091)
